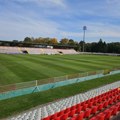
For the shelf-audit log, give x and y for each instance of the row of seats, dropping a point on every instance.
(88, 107)
(21, 50)
(108, 113)
(10, 50)
(44, 111)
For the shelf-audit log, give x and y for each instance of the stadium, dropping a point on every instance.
(74, 74)
(58, 84)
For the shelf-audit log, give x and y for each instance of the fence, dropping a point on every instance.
(29, 84)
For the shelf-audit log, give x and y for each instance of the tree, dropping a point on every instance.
(78, 48)
(64, 41)
(81, 43)
(15, 41)
(53, 41)
(71, 42)
(27, 39)
(101, 46)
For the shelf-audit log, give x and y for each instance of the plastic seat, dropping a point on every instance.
(78, 105)
(73, 107)
(53, 116)
(73, 118)
(84, 106)
(99, 100)
(101, 116)
(114, 110)
(87, 113)
(100, 106)
(58, 118)
(110, 101)
(83, 103)
(96, 97)
(103, 98)
(91, 100)
(67, 110)
(60, 113)
(105, 104)
(118, 97)
(72, 113)
(93, 118)
(115, 99)
(95, 102)
(80, 116)
(87, 101)
(90, 104)
(47, 118)
(78, 110)
(118, 107)
(108, 114)
(65, 116)
(94, 109)
(107, 97)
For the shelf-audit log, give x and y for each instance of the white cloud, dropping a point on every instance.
(20, 26)
(56, 2)
(47, 22)
(45, 3)
(113, 1)
(26, 26)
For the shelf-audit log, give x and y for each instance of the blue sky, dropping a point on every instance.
(60, 19)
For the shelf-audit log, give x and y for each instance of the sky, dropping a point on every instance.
(60, 19)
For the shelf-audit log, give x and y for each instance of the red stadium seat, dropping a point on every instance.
(65, 116)
(72, 113)
(100, 106)
(108, 114)
(90, 104)
(101, 116)
(67, 110)
(87, 113)
(47, 118)
(84, 106)
(94, 109)
(105, 104)
(80, 116)
(114, 110)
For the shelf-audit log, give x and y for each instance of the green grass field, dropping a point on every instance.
(22, 68)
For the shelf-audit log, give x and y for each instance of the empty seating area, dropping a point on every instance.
(49, 51)
(98, 104)
(101, 107)
(34, 50)
(67, 51)
(24, 50)
(10, 50)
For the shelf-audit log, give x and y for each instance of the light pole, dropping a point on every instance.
(84, 28)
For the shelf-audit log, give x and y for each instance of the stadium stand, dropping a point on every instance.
(67, 51)
(24, 50)
(34, 50)
(10, 50)
(98, 104)
(50, 51)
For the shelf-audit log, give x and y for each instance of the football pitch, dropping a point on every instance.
(23, 68)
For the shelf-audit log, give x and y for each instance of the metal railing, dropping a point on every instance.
(34, 83)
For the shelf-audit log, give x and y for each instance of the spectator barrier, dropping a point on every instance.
(18, 89)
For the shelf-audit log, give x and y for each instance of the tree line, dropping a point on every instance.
(100, 46)
(103, 47)
(50, 41)
(65, 43)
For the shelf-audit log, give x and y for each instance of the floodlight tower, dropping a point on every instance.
(84, 28)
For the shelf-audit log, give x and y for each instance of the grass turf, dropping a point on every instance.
(15, 105)
(23, 68)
